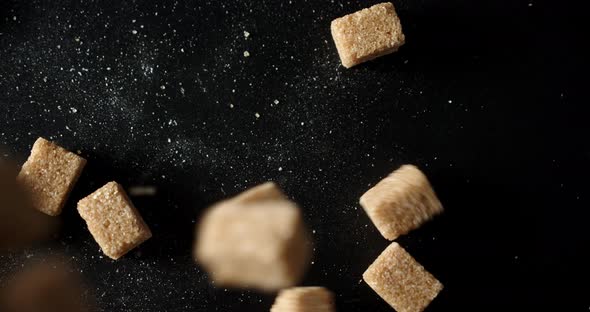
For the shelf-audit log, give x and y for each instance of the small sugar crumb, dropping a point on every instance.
(276, 101)
(246, 34)
(257, 115)
(134, 32)
(145, 190)
(246, 54)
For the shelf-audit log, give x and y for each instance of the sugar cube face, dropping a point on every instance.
(401, 202)
(304, 299)
(401, 281)
(50, 174)
(264, 191)
(44, 287)
(254, 240)
(113, 221)
(367, 34)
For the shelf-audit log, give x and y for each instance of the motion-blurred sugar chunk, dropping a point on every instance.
(401, 202)
(255, 240)
(48, 286)
(142, 191)
(20, 224)
(304, 299)
(262, 192)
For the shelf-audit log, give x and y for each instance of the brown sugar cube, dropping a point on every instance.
(254, 240)
(113, 221)
(264, 191)
(401, 281)
(50, 174)
(48, 287)
(401, 202)
(367, 34)
(20, 224)
(304, 299)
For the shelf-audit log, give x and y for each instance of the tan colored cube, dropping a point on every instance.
(255, 240)
(47, 286)
(50, 174)
(401, 281)
(262, 192)
(113, 220)
(367, 34)
(304, 299)
(401, 202)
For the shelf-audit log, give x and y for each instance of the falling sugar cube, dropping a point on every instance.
(367, 34)
(254, 240)
(113, 220)
(44, 286)
(401, 281)
(304, 299)
(401, 202)
(49, 174)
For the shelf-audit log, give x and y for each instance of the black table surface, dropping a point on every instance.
(487, 97)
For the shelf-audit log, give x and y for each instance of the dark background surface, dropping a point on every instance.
(487, 97)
